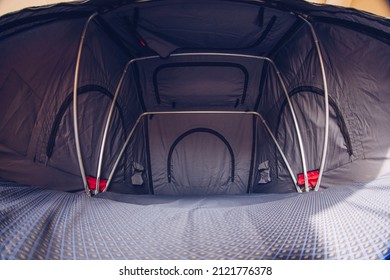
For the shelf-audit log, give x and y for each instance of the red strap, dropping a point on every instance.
(92, 183)
(312, 177)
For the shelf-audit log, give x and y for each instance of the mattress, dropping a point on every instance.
(343, 222)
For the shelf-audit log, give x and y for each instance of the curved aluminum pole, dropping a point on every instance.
(326, 100)
(279, 149)
(109, 116)
(297, 129)
(75, 111)
(107, 126)
(200, 112)
(296, 125)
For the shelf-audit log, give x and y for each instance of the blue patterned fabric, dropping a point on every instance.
(346, 222)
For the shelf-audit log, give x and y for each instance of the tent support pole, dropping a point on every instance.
(326, 100)
(297, 129)
(296, 125)
(75, 110)
(107, 126)
(301, 148)
(200, 112)
(109, 117)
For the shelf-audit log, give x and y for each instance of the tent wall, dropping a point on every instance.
(361, 87)
(358, 88)
(298, 61)
(37, 85)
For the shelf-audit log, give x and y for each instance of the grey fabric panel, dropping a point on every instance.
(361, 86)
(355, 76)
(36, 68)
(135, 161)
(208, 87)
(16, 126)
(346, 222)
(197, 85)
(17, 168)
(91, 123)
(188, 26)
(38, 81)
(192, 167)
(267, 151)
(309, 108)
(360, 170)
(201, 163)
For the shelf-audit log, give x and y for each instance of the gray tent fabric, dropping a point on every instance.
(200, 154)
(210, 97)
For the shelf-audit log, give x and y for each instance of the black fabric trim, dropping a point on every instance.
(148, 158)
(200, 64)
(254, 137)
(237, 102)
(135, 18)
(196, 130)
(265, 33)
(260, 17)
(332, 103)
(264, 73)
(139, 87)
(66, 103)
(358, 27)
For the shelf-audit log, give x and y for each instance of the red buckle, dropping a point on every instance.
(92, 183)
(312, 177)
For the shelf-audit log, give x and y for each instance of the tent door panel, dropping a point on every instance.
(200, 159)
(200, 155)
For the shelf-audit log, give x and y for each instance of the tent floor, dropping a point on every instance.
(347, 222)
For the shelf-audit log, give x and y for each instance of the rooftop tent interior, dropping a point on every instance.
(222, 79)
(191, 125)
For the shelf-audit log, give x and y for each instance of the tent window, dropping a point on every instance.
(332, 103)
(197, 130)
(67, 102)
(217, 83)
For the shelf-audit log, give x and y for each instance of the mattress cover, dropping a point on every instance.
(345, 222)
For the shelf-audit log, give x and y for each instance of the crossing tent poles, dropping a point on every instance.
(256, 114)
(297, 129)
(326, 100)
(108, 120)
(75, 111)
(296, 125)
(109, 116)
(107, 125)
